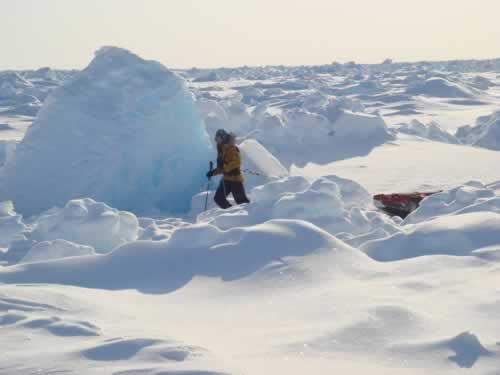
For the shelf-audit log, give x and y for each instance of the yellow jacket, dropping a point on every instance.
(229, 155)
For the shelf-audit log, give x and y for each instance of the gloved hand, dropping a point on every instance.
(211, 173)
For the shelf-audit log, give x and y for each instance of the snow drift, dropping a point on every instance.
(315, 128)
(78, 228)
(451, 235)
(339, 206)
(197, 250)
(432, 131)
(485, 134)
(124, 131)
(300, 136)
(439, 87)
(473, 196)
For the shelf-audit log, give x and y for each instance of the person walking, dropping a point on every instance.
(229, 165)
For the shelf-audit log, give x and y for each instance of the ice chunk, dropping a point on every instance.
(432, 131)
(258, 164)
(485, 134)
(124, 131)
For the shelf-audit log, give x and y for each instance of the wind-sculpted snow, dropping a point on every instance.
(459, 234)
(198, 250)
(485, 134)
(124, 131)
(440, 87)
(339, 206)
(57, 249)
(10, 83)
(91, 349)
(315, 129)
(431, 131)
(473, 196)
(74, 230)
(11, 224)
(306, 291)
(22, 93)
(466, 349)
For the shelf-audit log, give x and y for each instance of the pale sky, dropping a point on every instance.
(216, 33)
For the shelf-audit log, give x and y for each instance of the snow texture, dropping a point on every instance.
(201, 249)
(307, 278)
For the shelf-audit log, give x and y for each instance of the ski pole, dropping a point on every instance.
(208, 187)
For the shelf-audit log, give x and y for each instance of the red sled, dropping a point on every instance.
(400, 204)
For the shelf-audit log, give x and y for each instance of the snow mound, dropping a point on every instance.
(151, 350)
(482, 83)
(485, 134)
(124, 131)
(229, 114)
(432, 131)
(76, 229)
(87, 222)
(11, 224)
(49, 250)
(301, 136)
(439, 87)
(369, 86)
(59, 327)
(44, 74)
(363, 126)
(10, 318)
(375, 331)
(339, 206)
(473, 196)
(208, 77)
(11, 83)
(457, 235)
(197, 250)
(312, 128)
(274, 190)
(259, 163)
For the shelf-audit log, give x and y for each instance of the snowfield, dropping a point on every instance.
(110, 265)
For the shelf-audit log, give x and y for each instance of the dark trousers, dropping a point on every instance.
(227, 187)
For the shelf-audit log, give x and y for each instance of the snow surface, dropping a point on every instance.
(308, 278)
